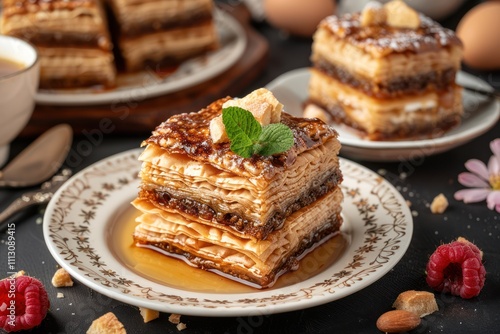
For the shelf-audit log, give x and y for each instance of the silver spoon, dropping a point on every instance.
(40, 160)
(36, 197)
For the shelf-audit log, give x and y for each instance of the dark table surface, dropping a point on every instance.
(356, 313)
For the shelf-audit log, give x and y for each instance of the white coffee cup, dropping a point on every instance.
(17, 90)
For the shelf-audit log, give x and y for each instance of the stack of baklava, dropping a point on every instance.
(388, 72)
(249, 219)
(165, 32)
(71, 37)
(74, 41)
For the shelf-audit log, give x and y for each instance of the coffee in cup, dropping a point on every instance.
(19, 75)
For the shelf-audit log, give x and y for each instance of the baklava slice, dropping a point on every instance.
(250, 219)
(163, 32)
(71, 37)
(388, 72)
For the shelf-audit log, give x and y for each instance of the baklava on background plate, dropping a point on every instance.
(387, 72)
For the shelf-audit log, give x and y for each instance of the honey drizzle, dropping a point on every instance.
(175, 273)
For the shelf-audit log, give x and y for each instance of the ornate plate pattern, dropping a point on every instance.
(148, 84)
(378, 226)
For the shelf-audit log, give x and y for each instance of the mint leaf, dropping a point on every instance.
(242, 129)
(239, 121)
(248, 137)
(242, 145)
(275, 138)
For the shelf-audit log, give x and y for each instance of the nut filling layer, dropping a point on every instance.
(400, 86)
(212, 211)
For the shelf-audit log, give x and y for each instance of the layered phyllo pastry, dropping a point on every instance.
(249, 218)
(71, 37)
(163, 32)
(388, 72)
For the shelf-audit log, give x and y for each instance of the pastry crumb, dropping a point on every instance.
(261, 103)
(439, 204)
(61, 279)
(181, 326)
(373, 14)
(218, 130)
(421, 303)
(174, 318)
(313, 111)
(148, 315)
(107, 324)
(60, 295)
(400, 15)
(19, 273)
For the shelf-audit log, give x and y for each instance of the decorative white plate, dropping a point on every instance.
(148, 84)
(78, 220)
(480, 114)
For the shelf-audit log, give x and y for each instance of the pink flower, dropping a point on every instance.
(483, 180)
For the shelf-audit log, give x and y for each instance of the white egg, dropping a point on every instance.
(479, 31)
(297, 17)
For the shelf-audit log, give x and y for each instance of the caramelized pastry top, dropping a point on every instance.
(189, 134)
(381, 40)
(13, 7)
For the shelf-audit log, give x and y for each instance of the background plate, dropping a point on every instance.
(378, 225)
(147, 84)
(480, 114)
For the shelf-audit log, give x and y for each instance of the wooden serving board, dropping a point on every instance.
(141, 116)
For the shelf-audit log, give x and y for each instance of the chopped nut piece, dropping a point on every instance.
(149, 315)
(218, 131)
(421, 303)
(181, 326)
(313, 111)
(397, 321)
(262, 104)
(373, 14)
(174, 318)
(400, 15)
(107, 324)
(439, 204)
(19, 273)
(60, 295)
(61, 278)
(261, 110)
(263, 94)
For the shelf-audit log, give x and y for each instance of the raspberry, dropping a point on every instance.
(456, 268)
(23, 303)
